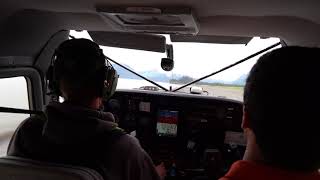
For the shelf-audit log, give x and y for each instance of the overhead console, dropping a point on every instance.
(194, 135)
(151, 19)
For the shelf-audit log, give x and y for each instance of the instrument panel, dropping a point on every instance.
(194, 135)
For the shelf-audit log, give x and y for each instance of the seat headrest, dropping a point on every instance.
(14, 168)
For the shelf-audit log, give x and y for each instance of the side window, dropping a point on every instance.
(14, 94)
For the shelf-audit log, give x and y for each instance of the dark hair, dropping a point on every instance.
(281, 99)
(80, 65)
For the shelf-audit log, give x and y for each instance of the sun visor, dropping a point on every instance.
(146, 42)
(211, 39)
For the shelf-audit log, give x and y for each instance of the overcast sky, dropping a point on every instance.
(192, 59)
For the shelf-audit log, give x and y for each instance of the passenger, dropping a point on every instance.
(77, 131)
(281, 118)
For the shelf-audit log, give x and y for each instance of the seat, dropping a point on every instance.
(14, 168)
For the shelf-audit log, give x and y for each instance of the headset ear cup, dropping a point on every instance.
(110, 82)
(51, 80)
(114, 83)
(53, 85)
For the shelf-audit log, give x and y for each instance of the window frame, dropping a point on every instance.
(34, 84)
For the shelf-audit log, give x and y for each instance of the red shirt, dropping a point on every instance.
(247, 170)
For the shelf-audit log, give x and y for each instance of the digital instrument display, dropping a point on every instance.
(167, 124)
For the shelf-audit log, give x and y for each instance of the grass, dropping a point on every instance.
(240, 88)
(227, 86)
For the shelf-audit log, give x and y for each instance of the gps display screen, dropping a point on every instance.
(167, 124)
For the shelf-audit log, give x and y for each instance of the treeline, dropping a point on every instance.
(187, 79)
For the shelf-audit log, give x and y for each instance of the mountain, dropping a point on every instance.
(241, 80)
(123, 73)
(215, 81)
(156, 76)
(153, 75)
(177, 78)
(162, 77)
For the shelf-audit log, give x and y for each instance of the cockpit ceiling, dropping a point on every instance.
(298, 23)
(308, 9)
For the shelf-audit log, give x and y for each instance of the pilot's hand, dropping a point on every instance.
(161, 170)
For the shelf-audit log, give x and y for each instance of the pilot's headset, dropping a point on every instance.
(81, 59)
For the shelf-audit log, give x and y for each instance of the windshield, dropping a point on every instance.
(191, 61)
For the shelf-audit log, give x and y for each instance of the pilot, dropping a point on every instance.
(281, 118)
(77, 131)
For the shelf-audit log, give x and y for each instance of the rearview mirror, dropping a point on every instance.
(167, 64)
